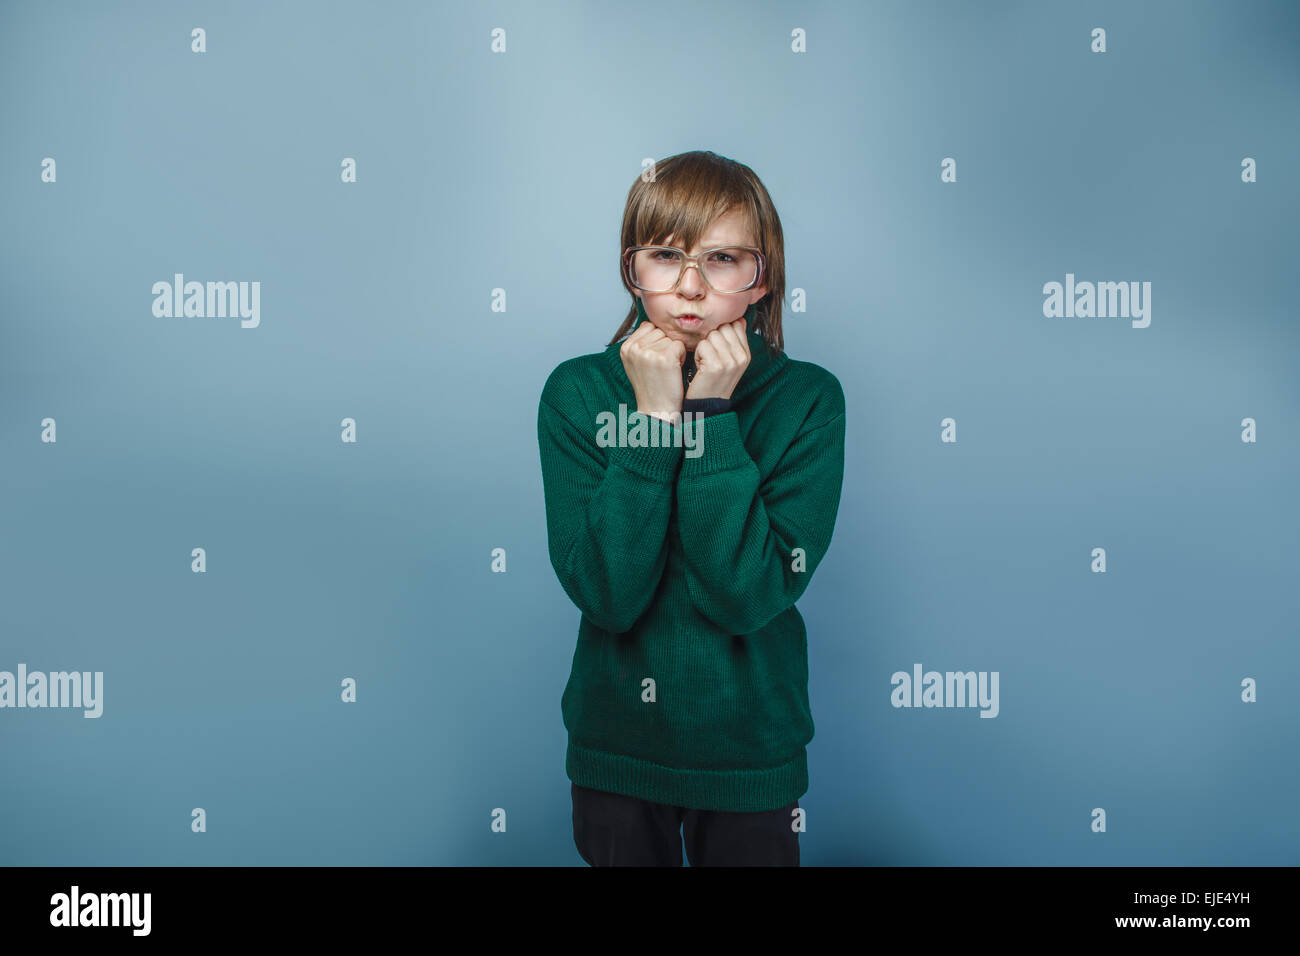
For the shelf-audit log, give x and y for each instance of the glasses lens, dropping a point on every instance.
(655, 270)
(728, 270)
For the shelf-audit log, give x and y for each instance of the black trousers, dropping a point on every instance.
(611, 829)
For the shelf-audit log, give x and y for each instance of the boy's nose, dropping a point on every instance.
(691, 279)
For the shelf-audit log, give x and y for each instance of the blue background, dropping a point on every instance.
(479, 171)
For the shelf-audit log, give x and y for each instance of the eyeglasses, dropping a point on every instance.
(724, 269)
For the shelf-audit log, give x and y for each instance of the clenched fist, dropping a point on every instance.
(653, 363)
(720, 361)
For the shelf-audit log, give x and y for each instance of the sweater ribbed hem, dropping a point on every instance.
(737, 791)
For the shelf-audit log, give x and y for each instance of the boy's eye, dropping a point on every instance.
(663, 255)
(723, 258)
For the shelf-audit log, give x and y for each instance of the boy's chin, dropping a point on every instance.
(689, 339)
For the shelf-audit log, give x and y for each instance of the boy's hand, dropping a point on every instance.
(653, 363)
(720, 361)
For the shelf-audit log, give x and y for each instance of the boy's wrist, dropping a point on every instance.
(671, 417)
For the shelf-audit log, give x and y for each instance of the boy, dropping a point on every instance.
(686, 539)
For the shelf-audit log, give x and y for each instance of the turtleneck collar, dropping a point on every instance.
(762, 363)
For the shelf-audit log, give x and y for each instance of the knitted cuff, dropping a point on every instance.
(656, 463)
(706, 406)
(717, 439)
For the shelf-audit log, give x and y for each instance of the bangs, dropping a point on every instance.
(684, 207)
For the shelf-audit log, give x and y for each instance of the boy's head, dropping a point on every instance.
(698, 202)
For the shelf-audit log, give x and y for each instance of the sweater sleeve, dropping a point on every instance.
(607, 511)
(738, 536)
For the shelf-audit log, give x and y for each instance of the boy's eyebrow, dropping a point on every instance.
(716, 244)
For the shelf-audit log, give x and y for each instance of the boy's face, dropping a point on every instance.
(669, 311)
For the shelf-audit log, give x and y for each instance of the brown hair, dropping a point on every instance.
(688, 192)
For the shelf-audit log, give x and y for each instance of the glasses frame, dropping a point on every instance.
(693, 261)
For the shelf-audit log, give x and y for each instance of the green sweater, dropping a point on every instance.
(689, 683)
